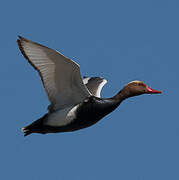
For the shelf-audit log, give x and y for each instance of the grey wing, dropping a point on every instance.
(60, 76)
(94, 84)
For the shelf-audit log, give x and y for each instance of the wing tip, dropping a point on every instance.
(19, 42)
(20, 45)
(21, 48)
(21, 39)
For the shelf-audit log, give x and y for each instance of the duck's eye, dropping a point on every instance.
(141, 84)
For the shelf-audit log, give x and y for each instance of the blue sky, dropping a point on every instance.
(118, 40)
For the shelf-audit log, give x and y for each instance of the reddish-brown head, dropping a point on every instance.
(135, 88)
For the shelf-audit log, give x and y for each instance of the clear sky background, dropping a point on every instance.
(118, 40)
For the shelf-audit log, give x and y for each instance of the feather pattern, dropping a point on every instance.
(60, 76)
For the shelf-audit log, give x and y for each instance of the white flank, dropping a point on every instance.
(62, 117)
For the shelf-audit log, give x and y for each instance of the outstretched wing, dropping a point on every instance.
(94, 84)
(60, 76)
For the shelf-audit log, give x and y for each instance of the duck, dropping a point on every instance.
(75, 101)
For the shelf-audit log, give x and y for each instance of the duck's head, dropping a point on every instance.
(135, 88)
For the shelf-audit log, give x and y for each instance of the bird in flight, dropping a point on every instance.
(75, 101)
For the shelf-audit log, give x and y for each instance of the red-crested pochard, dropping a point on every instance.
(75, 102)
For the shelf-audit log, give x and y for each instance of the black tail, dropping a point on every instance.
(35, 127)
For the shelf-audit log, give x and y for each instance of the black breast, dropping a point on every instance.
(91, 111)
